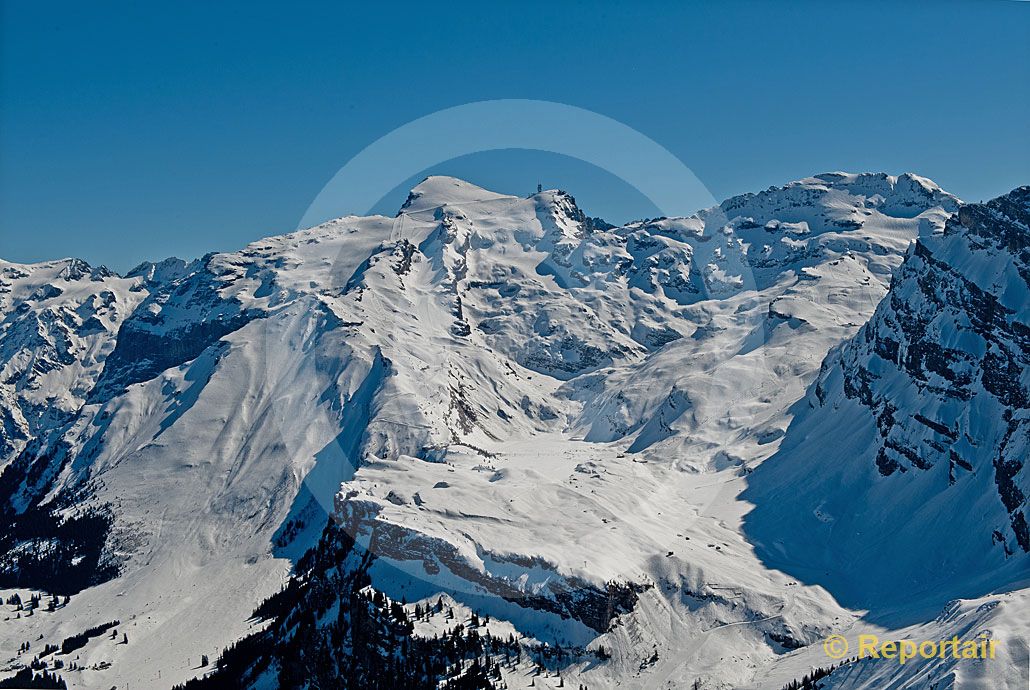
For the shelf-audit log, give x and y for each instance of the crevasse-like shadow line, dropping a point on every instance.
(335, 464)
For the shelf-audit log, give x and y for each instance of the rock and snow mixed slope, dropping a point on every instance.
(543, 416)
(921, 499)
(929, 406)
(59, 323)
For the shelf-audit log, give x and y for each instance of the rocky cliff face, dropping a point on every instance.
(954, 333)
(928, 409)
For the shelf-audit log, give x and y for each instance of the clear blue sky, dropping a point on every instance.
(144, 129)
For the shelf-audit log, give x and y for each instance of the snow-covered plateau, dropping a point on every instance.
(495, 442)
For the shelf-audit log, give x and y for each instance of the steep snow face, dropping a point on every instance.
(502, 398)
(58, 325)
(923, 495)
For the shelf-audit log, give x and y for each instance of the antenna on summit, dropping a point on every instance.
(539, 188)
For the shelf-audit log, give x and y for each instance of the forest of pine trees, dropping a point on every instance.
(808, 682)
(40, 546)
(368, 643)
(79, 640)
(27, 678)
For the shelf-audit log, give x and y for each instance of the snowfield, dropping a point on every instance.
(666, 440)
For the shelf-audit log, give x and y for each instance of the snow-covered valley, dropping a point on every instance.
(661, 448)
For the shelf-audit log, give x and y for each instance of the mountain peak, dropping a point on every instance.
(165, 270)
(1007, 218)
(440, 190)
(77, 269)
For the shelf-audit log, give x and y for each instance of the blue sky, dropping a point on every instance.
(141, 130)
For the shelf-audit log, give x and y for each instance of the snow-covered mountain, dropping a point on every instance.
(921, 498)
(59, 323)
(514, 409)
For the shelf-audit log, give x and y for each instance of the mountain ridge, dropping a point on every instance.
(500, 398)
